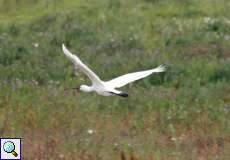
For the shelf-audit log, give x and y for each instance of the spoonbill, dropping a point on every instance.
(107, 88)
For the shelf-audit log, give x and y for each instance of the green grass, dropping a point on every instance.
(180, 114)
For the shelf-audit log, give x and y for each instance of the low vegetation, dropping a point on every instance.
(181, 114)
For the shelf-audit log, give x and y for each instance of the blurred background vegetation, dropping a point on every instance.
(181, 114)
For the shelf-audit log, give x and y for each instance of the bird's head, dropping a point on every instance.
(85, 88)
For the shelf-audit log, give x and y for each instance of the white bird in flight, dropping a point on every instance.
(107, 88)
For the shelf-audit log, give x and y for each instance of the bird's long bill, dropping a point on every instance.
(77, 88)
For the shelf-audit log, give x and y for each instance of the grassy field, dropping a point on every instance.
(183, 114)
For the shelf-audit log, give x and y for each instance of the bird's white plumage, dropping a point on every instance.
(78, 64)
(108, 88)
(131, 77)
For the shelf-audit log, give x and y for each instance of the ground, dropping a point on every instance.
(180, 114)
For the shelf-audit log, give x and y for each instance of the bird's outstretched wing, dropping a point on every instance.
(131, 77)
(79, 64)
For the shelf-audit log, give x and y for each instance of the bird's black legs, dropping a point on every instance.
(122, 94)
